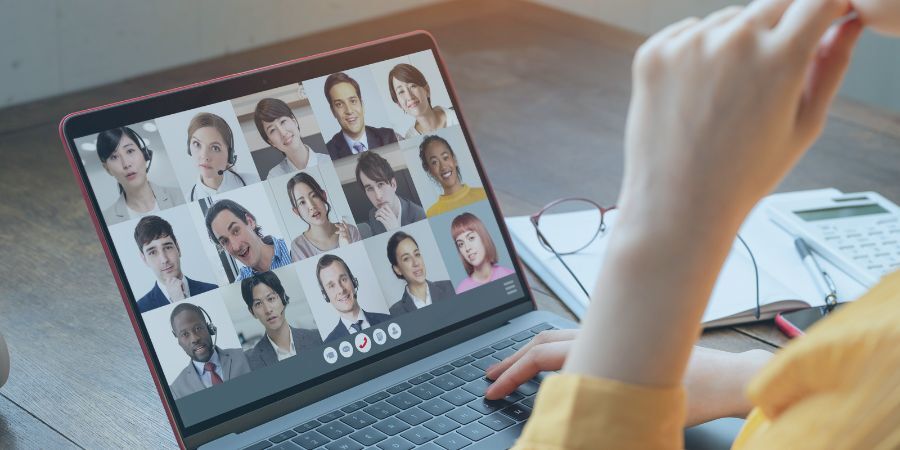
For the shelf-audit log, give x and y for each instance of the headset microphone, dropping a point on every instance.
(220, 172)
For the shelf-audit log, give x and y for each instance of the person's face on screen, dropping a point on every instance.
(163, 257)
(284, 134)
(338, 287)
(412, 98)
(471, 247)
(410, 264)
(310, 206)
(380, 193)
(267, 307)
(347, 108)
(127, 164)
(210, 151)
(238, 238)
(193, 335)
(442, 164)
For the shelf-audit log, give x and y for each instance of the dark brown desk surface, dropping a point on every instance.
(545, 94)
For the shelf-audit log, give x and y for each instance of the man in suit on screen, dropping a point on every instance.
(345, 101)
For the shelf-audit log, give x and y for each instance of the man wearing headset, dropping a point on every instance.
(339, 287)
(210, 365)
(267, 301)
(160, 252)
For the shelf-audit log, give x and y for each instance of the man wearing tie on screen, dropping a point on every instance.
(339, 287)
(346, 103)
(160, 252)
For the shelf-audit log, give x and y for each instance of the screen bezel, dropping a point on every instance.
(233, 86)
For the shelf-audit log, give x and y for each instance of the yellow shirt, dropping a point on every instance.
(461, 198)
(837, 387)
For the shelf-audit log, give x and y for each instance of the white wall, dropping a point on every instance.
(874, 76)
(56, 46)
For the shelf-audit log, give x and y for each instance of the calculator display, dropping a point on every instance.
(840, 212)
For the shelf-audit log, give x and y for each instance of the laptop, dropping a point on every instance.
(311, 254)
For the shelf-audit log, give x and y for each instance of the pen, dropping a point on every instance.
(820, 277)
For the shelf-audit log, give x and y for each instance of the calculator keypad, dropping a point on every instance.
(873, 246)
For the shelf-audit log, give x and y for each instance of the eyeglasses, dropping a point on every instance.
(555, 231)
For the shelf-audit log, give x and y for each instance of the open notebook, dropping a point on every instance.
(784, 283)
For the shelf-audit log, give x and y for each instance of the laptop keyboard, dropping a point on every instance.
(443, 408)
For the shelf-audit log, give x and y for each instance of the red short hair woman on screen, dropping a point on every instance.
(477, 251)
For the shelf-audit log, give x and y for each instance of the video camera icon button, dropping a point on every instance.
(331, 355)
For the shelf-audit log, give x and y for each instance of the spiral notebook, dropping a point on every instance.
(784, 283)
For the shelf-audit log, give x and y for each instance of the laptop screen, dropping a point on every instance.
(278, 236)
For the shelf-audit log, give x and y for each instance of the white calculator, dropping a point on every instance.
(859, 233)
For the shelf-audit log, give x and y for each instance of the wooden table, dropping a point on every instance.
(546, 96)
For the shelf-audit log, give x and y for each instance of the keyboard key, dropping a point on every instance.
(447, 382)
(503, 344)
(517, 412)
(443, 425)
(538, 328)
(419, 435)
(375, 398)
(523, 336)
(311, 425)
(528, 388)
(426, 391)
(484, 363)
(484, 352)
(441, 370)
(421, 378)
(354, 406)
(452, 441)
(503, 354)
(436, 406)
(414, 416)
(310, 440)
(465, 415)
(286, 445)
(344, 444)
(468, 373)
(477, 387)
(458, 397)
(496, 421)
(335, 429)
(359, 420)
(514, 397)
(395, 443)
(430, 446)
(331, 416)
(391, 426)
(381, 410)
(487, 406)
(462, 361)
(529, 402)
(404, 400)
(261, 445)
(475, 431)
(518, 345)
(398, 388)
(283, 436)
(368, 436)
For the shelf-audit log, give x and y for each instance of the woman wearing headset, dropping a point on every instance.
(410, 91)
(440, 162)
(267, 301)
(310, 202)
(125, 156)
(211, 144)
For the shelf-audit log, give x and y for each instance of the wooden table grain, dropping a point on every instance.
(545, 95)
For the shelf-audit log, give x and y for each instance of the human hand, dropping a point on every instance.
(343, 232)
(175, 289)
(882, 16)
(722, 108)
(714, 381)
(387, 217)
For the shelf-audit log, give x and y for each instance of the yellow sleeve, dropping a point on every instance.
(580, 412)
